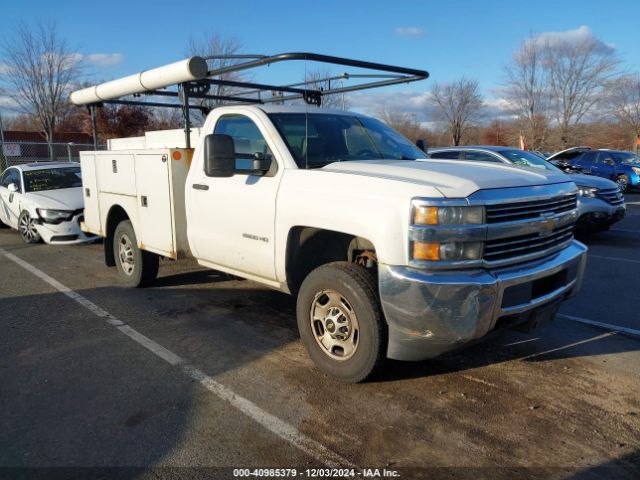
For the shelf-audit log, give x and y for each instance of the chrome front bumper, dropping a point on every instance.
(429, 313)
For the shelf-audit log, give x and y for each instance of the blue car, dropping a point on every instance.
(617, 165)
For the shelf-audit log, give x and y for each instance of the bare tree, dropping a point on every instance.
(458, 104)
(40, 69)
(624, 100)
(577, 72)
(526, 90)
(404, 122)
(218, 46)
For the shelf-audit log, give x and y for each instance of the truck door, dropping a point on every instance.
(232, 220)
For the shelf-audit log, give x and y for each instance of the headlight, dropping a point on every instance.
(636, 170)
(584, 191)
(54, 216)
(450, 215)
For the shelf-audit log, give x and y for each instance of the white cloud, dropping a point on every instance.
(580, 35)
(4, 69)
(104, 59)
(8, 102)
(98, 59)
(410, 102)
(409, 31)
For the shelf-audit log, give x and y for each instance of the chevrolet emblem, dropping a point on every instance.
(547, 226)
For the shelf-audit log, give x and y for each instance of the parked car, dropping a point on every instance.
(43, 201)
(617, 165)
(543, 154)
(600, 202)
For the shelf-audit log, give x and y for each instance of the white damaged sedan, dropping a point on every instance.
(43, 201)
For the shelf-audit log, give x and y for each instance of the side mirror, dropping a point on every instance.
(260, 165)
(13, 187)
(422, 145)
(219, 156)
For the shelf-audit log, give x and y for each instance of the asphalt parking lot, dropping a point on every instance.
(205, 371)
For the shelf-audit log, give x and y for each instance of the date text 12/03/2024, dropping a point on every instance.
(316, 473)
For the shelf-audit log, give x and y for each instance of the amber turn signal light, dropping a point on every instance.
(426, 251)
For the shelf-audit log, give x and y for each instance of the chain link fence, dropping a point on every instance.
(17, 153)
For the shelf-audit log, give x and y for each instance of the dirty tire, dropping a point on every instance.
(623, 183)
(27, 229)
(137, 268)
(357, 292)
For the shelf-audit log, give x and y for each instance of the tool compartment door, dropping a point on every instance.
(155, 229)
(90, 193)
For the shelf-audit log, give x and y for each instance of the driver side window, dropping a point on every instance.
(247, 139)
(9, 177)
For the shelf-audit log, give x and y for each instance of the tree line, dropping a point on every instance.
(555, 93)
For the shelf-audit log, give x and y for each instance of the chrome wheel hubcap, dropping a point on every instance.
(125, 252)
(334, 325)
(622, 184)
(27, 228)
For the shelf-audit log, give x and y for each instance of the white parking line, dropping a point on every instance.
(270, 422)
(618, 259)
(608, 326)
(564, 347)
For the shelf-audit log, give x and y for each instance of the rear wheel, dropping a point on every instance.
(137, 268)
(27, 228)
(623, 183)
(340, 321)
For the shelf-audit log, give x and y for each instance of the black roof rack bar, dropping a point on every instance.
(258, 87)
(202, 96)
(316, 81)
(334, 91)
(315, 57)
(233, 56)
(149, 104)
(345, 76)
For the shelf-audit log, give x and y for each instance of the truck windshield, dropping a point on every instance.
(318, 139)
(52, 179)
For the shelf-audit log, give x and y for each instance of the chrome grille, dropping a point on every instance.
(611, 195)
(507, 212)
(526, 246)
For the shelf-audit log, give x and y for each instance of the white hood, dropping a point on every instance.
(61, 199)
(452, 178)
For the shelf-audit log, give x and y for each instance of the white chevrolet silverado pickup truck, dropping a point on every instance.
(390, 255)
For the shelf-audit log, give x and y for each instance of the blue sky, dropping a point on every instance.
(448, 38)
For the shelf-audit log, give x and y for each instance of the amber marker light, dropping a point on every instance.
(177, 155)
(426, 251)
(425, 215)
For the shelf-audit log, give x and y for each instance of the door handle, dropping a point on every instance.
(200, 186)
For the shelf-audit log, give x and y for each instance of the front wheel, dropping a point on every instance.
(137, 268)
(27, 228)
(623, 183)
(340, 321)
